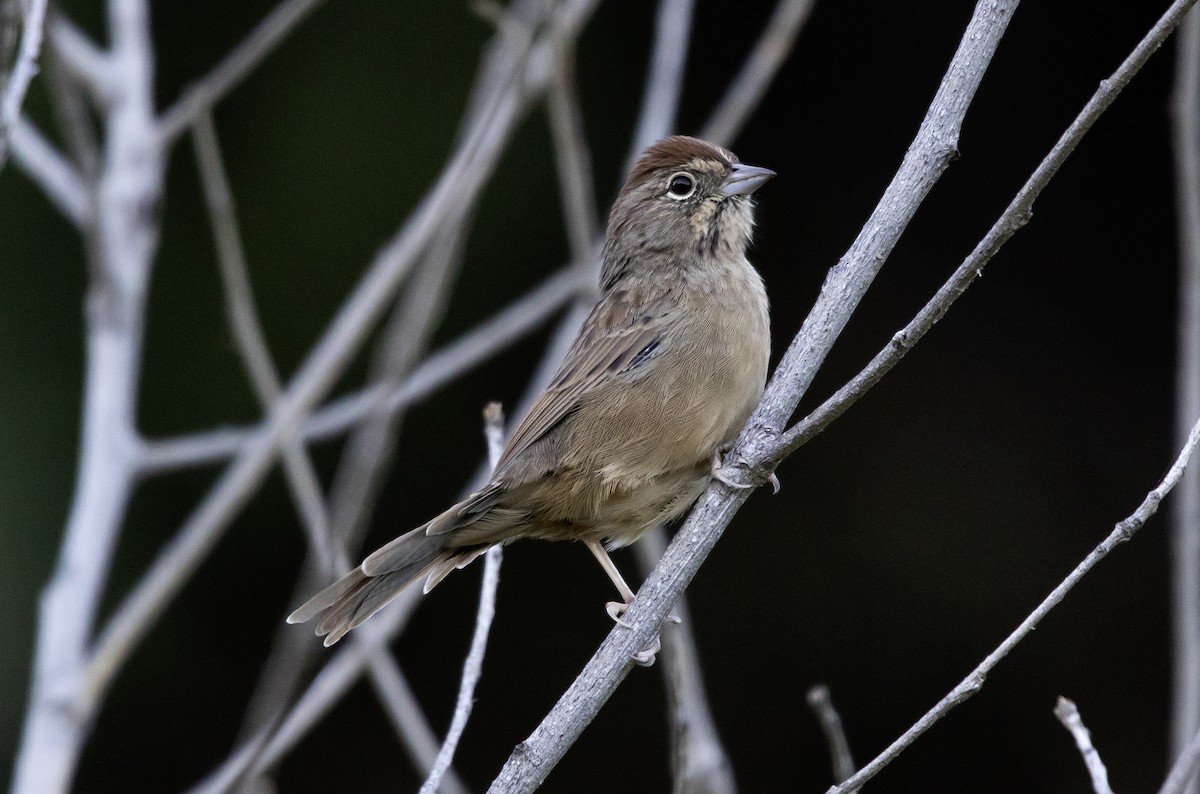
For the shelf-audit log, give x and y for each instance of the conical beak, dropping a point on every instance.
(745, 179)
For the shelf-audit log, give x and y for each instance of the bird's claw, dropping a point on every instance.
(615, 610)
(775, 486)
(718, 472)
(646, 656)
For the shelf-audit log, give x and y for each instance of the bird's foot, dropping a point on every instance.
(719, 472)
(615, 610)
(646, 656)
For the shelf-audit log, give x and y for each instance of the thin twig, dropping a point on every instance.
(1183, 771)
(473, 666)
(1185, 511)
(534, 758)
(765, 60)
(821, 703)
(1013, 218)
(12, 92)
(1068, 714)
(234, 67)
(1122, 532)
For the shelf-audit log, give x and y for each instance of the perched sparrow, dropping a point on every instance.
(664, 373)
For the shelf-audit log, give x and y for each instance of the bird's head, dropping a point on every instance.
(684, 200)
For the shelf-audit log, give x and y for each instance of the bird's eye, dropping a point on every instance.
(681, 186)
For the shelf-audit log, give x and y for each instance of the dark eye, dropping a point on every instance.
(681, 186)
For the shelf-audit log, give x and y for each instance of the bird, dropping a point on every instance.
(664, 372)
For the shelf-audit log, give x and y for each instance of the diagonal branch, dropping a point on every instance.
(1122, 532)
(533, 759)
(1013, 218)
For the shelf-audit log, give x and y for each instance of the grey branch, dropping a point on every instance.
(122, 245)
(1183, 771)
(534, 758)
(473, 666)
(13, 89)
(1122, 532)
(1185, 511)
(821, 703)
(1068, 714)
(699, 763)
(52, 172)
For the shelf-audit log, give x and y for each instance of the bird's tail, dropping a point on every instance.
(368, 588)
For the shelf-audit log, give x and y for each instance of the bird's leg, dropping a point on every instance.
(616, 609)
(718, 471)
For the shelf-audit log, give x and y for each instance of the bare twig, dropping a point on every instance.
(473, 666)
(1122, 532)
(533, 759)
(12, 90)
(1183, 771)
(1068, 714)
(235, 66)
(124, 242)
(821, 703)
(747, 89)
(1013, 218)
(1185, 511)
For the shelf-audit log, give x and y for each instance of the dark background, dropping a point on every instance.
(909, 538)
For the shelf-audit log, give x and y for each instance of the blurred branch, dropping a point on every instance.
(928, 156)
(1185, 512)
(493, 428)
(14, 82)
(79, 55)
(301, 474)
(699, 763)
(234, 67)
(122, 244)
(1183, 771)
(1123, 531)
(1068, 714)
(664, 79)
(821, 703)
(765, 60)
(52, 172)
(459, 185)
(474, 347)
